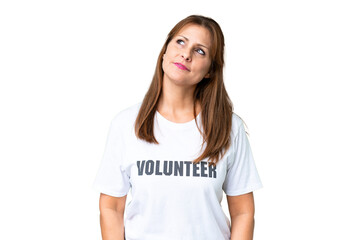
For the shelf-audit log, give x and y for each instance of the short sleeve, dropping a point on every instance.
(242, 176)
(111, 178)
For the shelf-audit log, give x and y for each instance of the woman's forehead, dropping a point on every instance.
(196, 33)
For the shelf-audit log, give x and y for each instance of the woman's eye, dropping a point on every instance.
(180, 41)
(200, 51)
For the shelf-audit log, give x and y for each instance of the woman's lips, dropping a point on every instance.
(179, 65)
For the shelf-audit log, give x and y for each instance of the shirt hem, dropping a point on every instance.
(244, 191)
(102, 189)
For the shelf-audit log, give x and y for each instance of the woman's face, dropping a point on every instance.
(187, 57)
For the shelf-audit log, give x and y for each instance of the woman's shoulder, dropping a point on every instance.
(237, 124)
(127, 115)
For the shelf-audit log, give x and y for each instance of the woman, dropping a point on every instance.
(179, 149)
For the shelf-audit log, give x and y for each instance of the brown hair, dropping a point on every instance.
(216, 106)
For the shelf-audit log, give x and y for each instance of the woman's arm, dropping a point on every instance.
(112, 217)
(242, 210)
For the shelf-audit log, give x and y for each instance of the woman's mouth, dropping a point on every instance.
(182, 67)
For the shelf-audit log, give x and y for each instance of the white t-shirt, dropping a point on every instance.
(171, 197)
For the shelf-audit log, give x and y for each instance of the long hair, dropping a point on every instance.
(216, 106)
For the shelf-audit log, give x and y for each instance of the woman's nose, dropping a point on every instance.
(186, 55)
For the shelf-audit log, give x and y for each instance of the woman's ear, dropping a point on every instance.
(207, 75)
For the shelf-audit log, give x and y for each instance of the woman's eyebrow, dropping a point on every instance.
(197, 44)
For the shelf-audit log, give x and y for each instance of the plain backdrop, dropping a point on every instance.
(68, 67)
